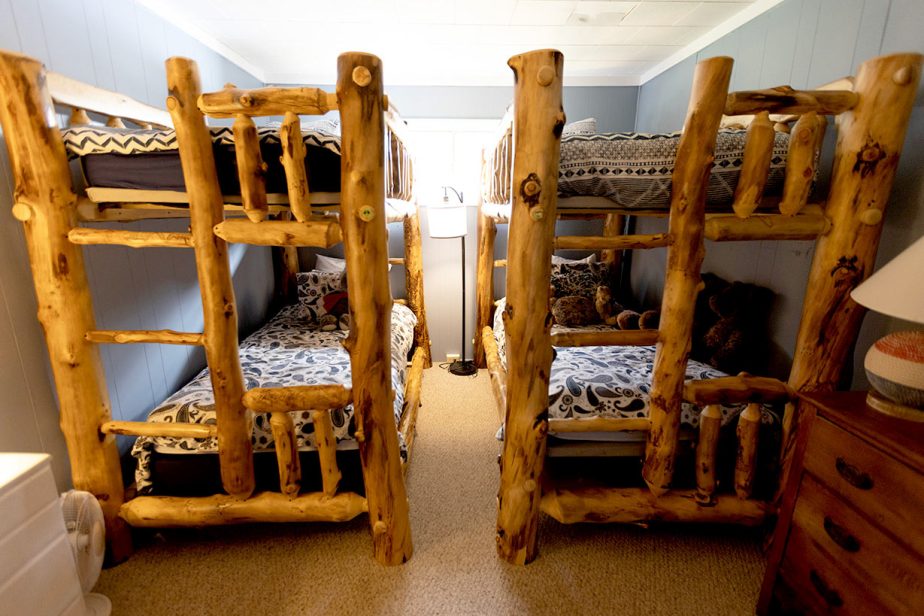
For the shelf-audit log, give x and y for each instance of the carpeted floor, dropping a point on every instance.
(328, 569)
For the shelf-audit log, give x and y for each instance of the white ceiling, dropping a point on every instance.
(457, 42)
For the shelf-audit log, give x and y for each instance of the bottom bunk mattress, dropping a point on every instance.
(289, 350)
(612, 381)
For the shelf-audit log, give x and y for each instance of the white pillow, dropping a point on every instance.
(329, 264)
(586, 127)
(556, 260)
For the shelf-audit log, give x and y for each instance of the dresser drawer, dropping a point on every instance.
(844, 536)
(824, 587)
(884, 489)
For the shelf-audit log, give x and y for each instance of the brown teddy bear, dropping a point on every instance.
(574, 311)
(613, 313)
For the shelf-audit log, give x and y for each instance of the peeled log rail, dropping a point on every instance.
(617, 242)
(158, 428)
(206, 210)
(538, 120)
(140, 336)
(695, 155)
(251, 169)
(293, 161)
(230, 102)
(755, 168)
(408, 426)
(710, 424)
(132, 239)
(746, 461)
(414, 283)
(484, 281)
(495, 369)
(766, 227)
(800, 164)
(284, 443)
(42, 178)
(618, 337)
(628, 505)
(784, 99)
(296, 398)
(318, 233)
(365, 241)
(221, 509)
(737, 390)
(327, 451)
(600, 424)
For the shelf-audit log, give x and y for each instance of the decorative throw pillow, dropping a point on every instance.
(315, 286)
(578, 279)
(329, 264)
(586, 128)
(591, 258)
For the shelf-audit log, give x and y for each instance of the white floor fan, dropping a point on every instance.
(86, 530)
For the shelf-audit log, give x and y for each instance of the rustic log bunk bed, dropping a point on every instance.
(355, 213)
(521, 185)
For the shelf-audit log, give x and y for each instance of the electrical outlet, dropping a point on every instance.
(451, 357)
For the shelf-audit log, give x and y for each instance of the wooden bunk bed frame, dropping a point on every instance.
(872, 117)
(46, 203)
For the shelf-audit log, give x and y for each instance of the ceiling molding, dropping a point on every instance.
(203, 37)
(736, 21)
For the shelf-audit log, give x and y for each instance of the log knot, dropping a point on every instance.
(868, 158)
(530, 189)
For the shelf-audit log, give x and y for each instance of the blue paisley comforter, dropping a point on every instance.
(612, 381)
(288, 350)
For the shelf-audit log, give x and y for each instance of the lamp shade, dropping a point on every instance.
(897, 289)
(447, 221)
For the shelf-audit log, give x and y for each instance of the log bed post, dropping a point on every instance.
(538, 122)
(414, 284)
(46, 205)
(359, 93)
(206, 209)
(869, 143)
(682, 280)
(484, 278)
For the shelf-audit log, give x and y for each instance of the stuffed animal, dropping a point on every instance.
(607, 309)
(574, 311)
(337, 312)
(731, 322)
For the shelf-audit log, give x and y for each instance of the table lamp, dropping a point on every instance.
(450, 221)
(895, 363)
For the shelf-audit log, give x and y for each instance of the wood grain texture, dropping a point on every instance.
(148, 428)
(695, 155)
(251, 170)
(213, 268)
(484, 282)
(317, 233)
(537, 126)
(133, 239)
(758, 151)
(366, 250)
(296, 398)
(43, 182)
(710, 422)
(414, 284)
(271, 101)
(784, 99)
(293, 161)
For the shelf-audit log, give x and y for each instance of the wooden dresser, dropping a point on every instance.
(850, 538)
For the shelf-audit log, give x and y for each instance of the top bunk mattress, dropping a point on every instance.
(632, 171)
(288, 350)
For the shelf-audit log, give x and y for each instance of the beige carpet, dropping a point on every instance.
(328, 569)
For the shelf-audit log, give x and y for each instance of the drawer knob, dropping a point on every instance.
(840, 536)
(853, 475)
(831, 596)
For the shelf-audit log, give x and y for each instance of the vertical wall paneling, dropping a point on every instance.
(116, 45)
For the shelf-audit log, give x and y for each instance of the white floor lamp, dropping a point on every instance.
(450, 221)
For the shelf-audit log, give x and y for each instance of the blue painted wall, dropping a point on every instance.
(116, 45)
(802, 43)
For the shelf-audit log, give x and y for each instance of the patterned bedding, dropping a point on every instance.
(633, 170)
(288, 350)
(612, 381)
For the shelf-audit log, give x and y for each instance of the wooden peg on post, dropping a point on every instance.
(365, 239)
(537, 127)
(685, 254)
(43, 189)
(206, 210)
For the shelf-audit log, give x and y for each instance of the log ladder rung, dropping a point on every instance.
(611, 242)
(157, 336)
(616, 337)
(159, 428)
(318, 233)
(132, 239)
(297, 398)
